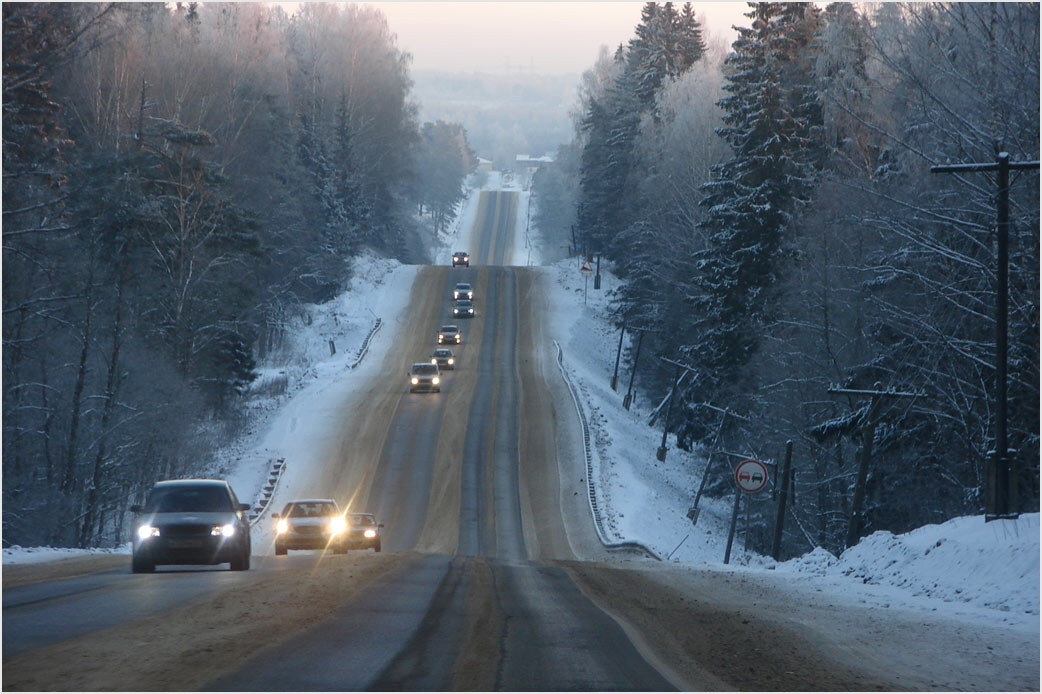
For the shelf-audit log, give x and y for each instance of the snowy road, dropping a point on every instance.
(491, 576)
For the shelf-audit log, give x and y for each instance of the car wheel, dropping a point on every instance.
(280, 550)
(242, 562)
(139, 565)
(376, 547)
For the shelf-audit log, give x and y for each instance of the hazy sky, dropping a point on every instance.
(542, 37)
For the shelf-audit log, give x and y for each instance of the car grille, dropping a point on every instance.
(307, 529)
(186, 530)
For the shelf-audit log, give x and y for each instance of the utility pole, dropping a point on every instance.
(618, 355)
(694, 511)
(1000, 499)
(868, 432)
(783, 497)
(661, 452)
(636, 358)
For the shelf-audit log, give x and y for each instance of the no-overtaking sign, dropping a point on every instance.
(751, 476)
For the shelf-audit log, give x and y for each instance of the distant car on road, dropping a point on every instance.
(310, 524)
(363, 531)
(424, 376)
(463, 291)
(460, 258)
(444, 358)
(190, 522)
(463, 309)
(450, 335)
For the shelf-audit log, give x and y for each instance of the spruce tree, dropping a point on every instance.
(772, 124)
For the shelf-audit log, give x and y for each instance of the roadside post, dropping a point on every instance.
(750, 477)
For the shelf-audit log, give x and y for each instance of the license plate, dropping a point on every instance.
(185, 543)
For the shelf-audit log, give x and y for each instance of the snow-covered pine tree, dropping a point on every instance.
(772, 123)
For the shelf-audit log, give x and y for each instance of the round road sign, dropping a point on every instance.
(750, 476)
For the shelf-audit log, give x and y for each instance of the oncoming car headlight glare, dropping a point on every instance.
(435, 380)
(226, 530)
(337, 525)
(415, 380)
(146, 531)
(370, 533)
(282, 526)
(452, 361)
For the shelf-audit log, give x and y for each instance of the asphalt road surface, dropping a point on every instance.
(491, 576)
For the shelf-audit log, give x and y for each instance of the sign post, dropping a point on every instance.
(586, 271)
(750, 477)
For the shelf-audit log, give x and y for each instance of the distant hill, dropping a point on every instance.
(504, 115)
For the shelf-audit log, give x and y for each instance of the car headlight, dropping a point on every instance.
(415, 381)
(370, 533)
(457, 339)
(282, 526)
(146, 531)
(470, 310)
(434, 360)
(451, 362)
(455, 295)
(435, 380)
(226, 530)
(337, 525)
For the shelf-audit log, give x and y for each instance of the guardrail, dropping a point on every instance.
(364, 349)
(279, 464)
(260, 507)
(598, 520)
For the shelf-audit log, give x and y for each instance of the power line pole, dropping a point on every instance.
(1000, 498)
(868, 433)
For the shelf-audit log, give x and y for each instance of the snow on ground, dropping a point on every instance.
(963, 566)
(959, 566)
(294, 426)
(34, 555)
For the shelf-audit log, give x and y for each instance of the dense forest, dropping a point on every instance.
(178, 180)
(772, 214)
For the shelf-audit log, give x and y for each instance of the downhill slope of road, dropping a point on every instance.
(491, 577)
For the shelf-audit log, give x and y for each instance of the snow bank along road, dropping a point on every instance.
(490, 578)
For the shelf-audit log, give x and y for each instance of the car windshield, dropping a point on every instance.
(449, 329)
(309, 509)
(424, 369)
(363, 519)
(201, 499)
(442, 353)
(463, 287)
(463, 303)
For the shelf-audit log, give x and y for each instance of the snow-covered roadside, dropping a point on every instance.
(964, 567)
(294, 387)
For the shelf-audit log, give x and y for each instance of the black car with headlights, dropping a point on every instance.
(444, 358)
(461, 258)
(363, 532)
(463, 291)
(310, 524)
(424, 376)
(449, 335)
(463, 309)
(191, 522)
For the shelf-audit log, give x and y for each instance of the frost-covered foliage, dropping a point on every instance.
(823, 251)
(178, 179)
